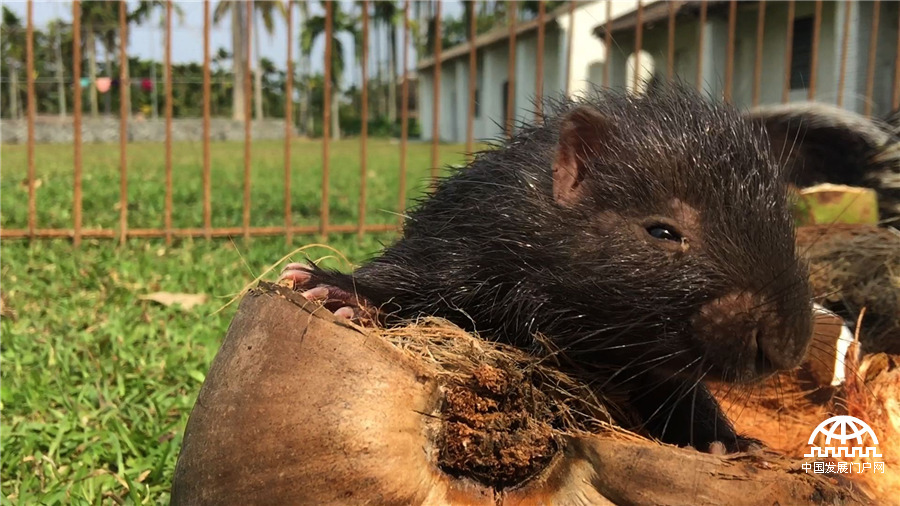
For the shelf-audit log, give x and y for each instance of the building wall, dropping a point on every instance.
(589, 60)
(493, 72)
(655, 42)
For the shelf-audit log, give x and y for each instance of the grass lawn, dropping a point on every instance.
(97, 384)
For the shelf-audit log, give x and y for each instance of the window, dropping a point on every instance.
(801, 53)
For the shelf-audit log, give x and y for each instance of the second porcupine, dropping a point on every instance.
(649, 239)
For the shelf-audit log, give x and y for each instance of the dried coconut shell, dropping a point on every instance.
(300, 407)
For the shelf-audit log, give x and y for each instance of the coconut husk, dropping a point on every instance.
(854, 267)
(783, 412)
(300, 407)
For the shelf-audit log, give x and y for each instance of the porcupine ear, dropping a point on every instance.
(583, 136)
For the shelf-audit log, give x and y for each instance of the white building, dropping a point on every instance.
(588, 58)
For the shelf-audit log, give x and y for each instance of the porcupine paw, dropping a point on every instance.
(342, 303)
(740, 444)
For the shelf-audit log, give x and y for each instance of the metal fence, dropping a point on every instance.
(515, 26)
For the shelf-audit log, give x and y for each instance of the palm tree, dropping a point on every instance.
(238, 51)
(13, 44)
(141, 13)
(239, 41)
(315, 26)
(57, 29)
(266, 10)
(96, 18)
(387, 13)
(305, 117)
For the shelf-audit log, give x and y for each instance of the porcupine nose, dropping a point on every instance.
(745, 339)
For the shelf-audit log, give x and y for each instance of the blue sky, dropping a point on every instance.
(147, 40)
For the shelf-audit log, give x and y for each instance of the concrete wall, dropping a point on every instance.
(493, 70)
(589, 60)
(47, 130)
(588, 51)
(655, 42)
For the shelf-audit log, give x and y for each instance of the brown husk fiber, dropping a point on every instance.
(504, 411)
(855, 266)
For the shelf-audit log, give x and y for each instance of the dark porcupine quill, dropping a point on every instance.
(649, 239)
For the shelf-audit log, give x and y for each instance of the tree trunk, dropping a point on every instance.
(379, 65)
(303, 111)
(13, 91)
(392, 68)
(154, 93)
(310, 121)
(107, 97)
(335, 108)
(60, 80)
(257, 74)
(238, 58)
(92, 70)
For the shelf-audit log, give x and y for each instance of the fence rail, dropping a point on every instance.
(610, 26)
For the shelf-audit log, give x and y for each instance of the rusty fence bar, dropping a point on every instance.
(638, 42)
(207, 154)
(729, 57)
(29, 68)
(895, 97)
(99, 233)
(873, 48)
(757, 62)
(814, 57)
(700, 40)
(642, 15)
(845, 40)
(288, 120)
(569, 43)
(814, 60)
(123, 120)
(168, 217)
(436, 93)
(247, 118)
(788, 53)
(539, 64)
(670, 51)
(607, 43)
(511, 71)
(326, 119)
(363, 155)
(473, 70)
(404, 116)
(76, 122)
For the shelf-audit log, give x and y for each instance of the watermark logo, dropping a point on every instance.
(845, 437)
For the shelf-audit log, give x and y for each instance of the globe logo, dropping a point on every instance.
(845, 429)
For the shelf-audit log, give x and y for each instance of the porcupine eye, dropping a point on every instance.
(664, 232)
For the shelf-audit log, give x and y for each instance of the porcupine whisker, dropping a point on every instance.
(630, 367)
(693, 391)
(669, 397)
(663, 381)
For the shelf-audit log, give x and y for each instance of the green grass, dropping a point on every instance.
(146, 183)
(97, 384)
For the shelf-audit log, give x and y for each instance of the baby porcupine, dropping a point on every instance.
(650, 239)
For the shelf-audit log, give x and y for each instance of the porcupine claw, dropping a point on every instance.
(342, 303)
